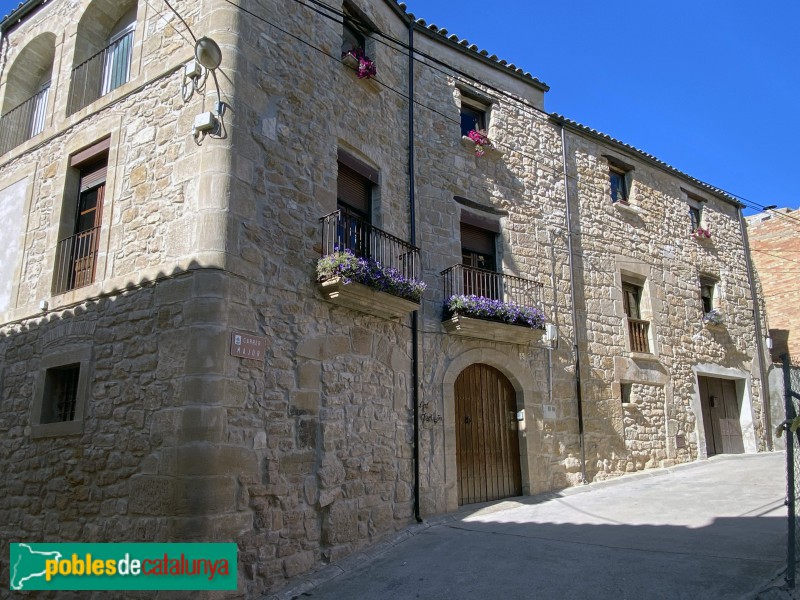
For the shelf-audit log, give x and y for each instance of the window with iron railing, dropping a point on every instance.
(464, 280)
(24, 121)
(76, 254)
(345, 232)
(638, 329)
(103, 72)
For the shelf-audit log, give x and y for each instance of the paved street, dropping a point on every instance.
(712, 529)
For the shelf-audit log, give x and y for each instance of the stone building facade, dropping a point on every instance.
(775, 244)
(136, 256)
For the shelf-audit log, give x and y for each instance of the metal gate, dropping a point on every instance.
(791, 386)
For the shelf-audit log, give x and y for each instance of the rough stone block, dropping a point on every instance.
(340, 523)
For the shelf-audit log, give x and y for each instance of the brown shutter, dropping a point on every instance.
(90, 154)
(93, 175)
(477, 239)
(353, 190)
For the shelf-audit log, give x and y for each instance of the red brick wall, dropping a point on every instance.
(775, 246)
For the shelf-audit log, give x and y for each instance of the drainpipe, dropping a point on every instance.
(575, 349)
(415, 315)
(765, 403)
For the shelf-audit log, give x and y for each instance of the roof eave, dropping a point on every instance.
(643, 156)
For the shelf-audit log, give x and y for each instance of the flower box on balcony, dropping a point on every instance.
(362, 298)
(494, 331)
(367, 269)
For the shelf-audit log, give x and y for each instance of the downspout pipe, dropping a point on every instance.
(762, 367)
(575, 348)
(413, 229)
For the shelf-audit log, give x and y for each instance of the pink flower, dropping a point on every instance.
(482, 141)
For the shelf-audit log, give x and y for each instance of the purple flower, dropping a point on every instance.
(369, 272)
(481, 307)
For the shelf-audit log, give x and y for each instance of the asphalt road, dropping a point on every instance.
(711, 529)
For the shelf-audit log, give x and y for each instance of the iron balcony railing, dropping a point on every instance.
(637, 329)
(76, 261)
(342, 231)
(102, 73)
(461, 279)
(24, 121)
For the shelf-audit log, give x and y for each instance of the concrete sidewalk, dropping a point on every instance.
(710, 529)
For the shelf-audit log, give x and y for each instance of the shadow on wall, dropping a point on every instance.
(121, 474)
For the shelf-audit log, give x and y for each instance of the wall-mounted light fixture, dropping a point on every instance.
(207, 59)
(209, 56)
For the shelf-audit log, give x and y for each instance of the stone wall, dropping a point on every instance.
(307, 456)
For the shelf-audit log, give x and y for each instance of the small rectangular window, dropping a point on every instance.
(707, 287)
(472, 119)
(625, 389)
(354, 30)
(695, 217)
(61, 394)
(619, 185)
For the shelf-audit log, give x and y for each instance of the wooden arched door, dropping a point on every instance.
(487, 443)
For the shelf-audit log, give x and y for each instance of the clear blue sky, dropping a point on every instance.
(711, 87)
(708, 86)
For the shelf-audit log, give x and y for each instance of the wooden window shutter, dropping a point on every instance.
(91, 154)
(477, 239)
(93, 175)
(353, 189)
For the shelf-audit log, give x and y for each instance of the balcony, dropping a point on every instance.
(76, 260)
(637, 331)
(24, 121)
(366, 269)
(492, 306)
(102, 73)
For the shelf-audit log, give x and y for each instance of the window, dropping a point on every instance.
(355, 186)
(619, 185)
(695, 217)
(631, 300)
(117, 60)
(61, 394)
(473, 115)
(625, 390)
(353, 193)
(478, 256)
(59, 404)
(26, 92)
(103, 56)
(77, 251)
(638, 329)
(707, 287)
(354, 29)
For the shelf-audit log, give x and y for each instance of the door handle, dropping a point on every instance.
(468, 420)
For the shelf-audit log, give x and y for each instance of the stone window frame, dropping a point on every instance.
(638, 272)
(626, 393)
(706, 280)
(625, 170)
(67, 181)
(65, 356)
(477, 102)
(695, 204)
(357, 25)
(88, 42)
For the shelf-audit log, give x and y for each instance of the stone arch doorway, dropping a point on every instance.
(487, 442)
